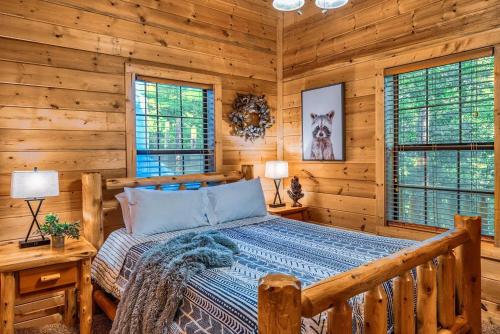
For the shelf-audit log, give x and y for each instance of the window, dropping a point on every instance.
(439, 130)
(174, 127)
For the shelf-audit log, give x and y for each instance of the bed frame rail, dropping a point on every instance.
(448, 297)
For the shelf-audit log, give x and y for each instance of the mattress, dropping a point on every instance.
(224, 300)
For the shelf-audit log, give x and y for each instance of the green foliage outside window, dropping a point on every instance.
(439, 144)
(174, 129)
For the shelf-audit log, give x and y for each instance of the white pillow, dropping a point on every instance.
(156, 211)
(237, 200)
(122, 198)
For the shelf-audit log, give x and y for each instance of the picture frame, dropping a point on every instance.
(323, 123)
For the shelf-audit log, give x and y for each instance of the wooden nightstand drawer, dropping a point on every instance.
(296, 216)
(47, 277)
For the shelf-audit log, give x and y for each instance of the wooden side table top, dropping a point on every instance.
(287, 210)
(13, 258)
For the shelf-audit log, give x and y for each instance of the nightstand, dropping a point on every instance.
(298, 213)
(30, 271)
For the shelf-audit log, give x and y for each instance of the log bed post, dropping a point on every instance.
(468, 263)
(426, 298)
(340, 318)
(279, 304)
(375, 311)
(92, 209)
(446, 290)
(404, 313)
(247, 171)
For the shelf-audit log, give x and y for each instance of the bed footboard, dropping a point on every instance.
(448, 296)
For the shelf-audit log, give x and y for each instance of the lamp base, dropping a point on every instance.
(279, 205)
(27, 242)
(34, 243)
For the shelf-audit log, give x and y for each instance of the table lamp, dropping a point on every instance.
(276, 170)
(34, 186)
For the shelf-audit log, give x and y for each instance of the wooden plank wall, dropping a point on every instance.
(62, 82)
(345, 45)
(62, 85)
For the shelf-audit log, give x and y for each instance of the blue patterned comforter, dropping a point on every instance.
(225, 300)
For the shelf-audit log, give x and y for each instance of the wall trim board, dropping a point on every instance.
(497, 144)
(439, 61)
(380, 147)
(279, 88)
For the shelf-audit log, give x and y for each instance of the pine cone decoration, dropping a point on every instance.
(295, 192)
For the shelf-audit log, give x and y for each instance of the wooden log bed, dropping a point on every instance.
(448, 294)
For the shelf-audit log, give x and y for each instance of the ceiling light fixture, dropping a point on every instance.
(325, 5)
(296, 5)
(289, 5)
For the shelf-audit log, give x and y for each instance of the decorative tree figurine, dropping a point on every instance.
(295, 192)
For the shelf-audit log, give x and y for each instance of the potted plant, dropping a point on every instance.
(58, 231)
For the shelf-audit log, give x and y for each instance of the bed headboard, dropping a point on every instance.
(102, 212)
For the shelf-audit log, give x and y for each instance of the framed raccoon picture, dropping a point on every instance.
(323, 124)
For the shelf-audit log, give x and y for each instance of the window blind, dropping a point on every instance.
(175, 131)
(439, 130)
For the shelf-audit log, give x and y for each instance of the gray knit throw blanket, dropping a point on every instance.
(156, 287)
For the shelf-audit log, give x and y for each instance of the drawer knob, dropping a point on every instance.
(48, 278)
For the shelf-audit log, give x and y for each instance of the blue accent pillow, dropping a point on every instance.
(238, 200)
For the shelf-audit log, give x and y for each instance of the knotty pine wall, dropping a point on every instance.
(345, 45)
(62, 84)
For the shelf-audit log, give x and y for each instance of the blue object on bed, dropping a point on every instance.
(156, 287)
(224, 300)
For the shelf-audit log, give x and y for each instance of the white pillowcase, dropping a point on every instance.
(156, 211)
(122, 198)
(237, 200)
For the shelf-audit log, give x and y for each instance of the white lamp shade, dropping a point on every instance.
(331, 4)
(288, 5)
(34, 184)
(276, 169)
